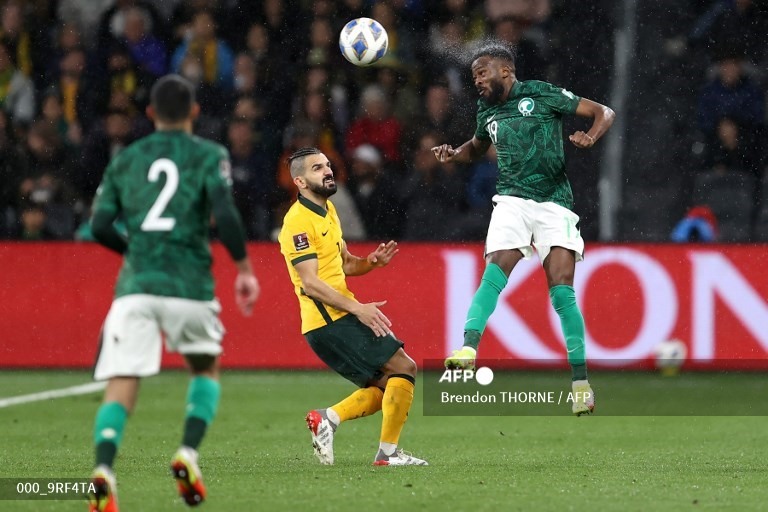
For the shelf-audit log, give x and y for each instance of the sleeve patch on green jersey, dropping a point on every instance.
(225, 170)
(301, 241)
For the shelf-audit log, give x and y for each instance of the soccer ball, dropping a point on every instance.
(363, 41)
(669, 356)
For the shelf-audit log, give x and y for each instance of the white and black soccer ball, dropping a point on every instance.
(363, 41)
(670, 355)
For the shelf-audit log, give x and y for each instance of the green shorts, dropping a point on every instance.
(352, 350)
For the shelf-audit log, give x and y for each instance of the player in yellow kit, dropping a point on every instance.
(352, 338)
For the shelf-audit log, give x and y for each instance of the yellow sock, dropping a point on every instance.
(363, 402)
(398, 397)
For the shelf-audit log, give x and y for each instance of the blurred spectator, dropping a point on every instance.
(16, 38)
(738, 25)
(529, 61)
(729, 193)
(204, 59)
(319, 79)
(184, 13)
(440, 114)
(245, 75)
(698, 225)
(274, 17)
(52, 111)
(350, 9)
(147, 51)
(401, 40)
(84, 14)
(67, 38)
(733, 94)
(252, 179)
(72, 87)
(11, 169)
(122, 78)
(481, 186)
(114, 21)
(468, 14)
(315, 109)
(446, 55)
(323, 44)
(105, 140)
(375, 192)
(531, 11)
(273, 74)
(257, 44)
(47, 179)
(266, 134)
(399, 87)
(375, 125)
(17, 92)
(730, 149)
(431, 194)
(33, 223)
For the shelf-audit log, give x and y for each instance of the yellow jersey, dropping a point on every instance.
(309, 231)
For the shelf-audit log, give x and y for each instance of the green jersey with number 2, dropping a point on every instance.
(161, 185)
(527, 131)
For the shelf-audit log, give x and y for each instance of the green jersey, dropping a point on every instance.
(527, 131)
(162, 186)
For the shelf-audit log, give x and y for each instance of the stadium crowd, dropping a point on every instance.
(75, 76)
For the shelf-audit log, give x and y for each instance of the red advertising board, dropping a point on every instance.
(54, 297)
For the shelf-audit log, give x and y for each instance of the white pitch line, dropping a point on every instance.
(82, 389)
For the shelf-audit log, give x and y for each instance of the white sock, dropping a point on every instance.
(333, 417)
(388, 448)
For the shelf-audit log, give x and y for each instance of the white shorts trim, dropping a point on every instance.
(131, 344)
(525, 224)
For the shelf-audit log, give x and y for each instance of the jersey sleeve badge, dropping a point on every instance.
(225, 171)
(301, 241)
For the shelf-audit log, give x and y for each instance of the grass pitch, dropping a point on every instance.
(257, 455)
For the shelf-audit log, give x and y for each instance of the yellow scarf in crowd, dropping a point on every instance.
(206, 54)
(23, 53)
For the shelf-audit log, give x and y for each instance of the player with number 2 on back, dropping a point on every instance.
(533, 202)
(165, 187)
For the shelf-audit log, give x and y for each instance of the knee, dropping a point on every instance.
(561, 277)
(405, 366)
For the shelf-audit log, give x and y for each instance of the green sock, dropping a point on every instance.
(108, 431)
(483, 303)
(202, 402)
(564, 301)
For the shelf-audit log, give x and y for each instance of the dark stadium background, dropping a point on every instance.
(76, 75)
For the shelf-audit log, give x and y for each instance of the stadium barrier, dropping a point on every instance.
(54, 297)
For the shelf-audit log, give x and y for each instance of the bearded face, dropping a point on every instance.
(325, 188)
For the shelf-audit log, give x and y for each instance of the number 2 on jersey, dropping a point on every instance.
(154, 221)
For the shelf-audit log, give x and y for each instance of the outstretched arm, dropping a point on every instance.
(467, 153)
(357, 266)
(602, 119)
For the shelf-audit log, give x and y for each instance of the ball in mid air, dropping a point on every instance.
(363, 41)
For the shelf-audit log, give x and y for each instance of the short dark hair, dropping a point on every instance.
(497, 50)
(296, 159)
(172, 98)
